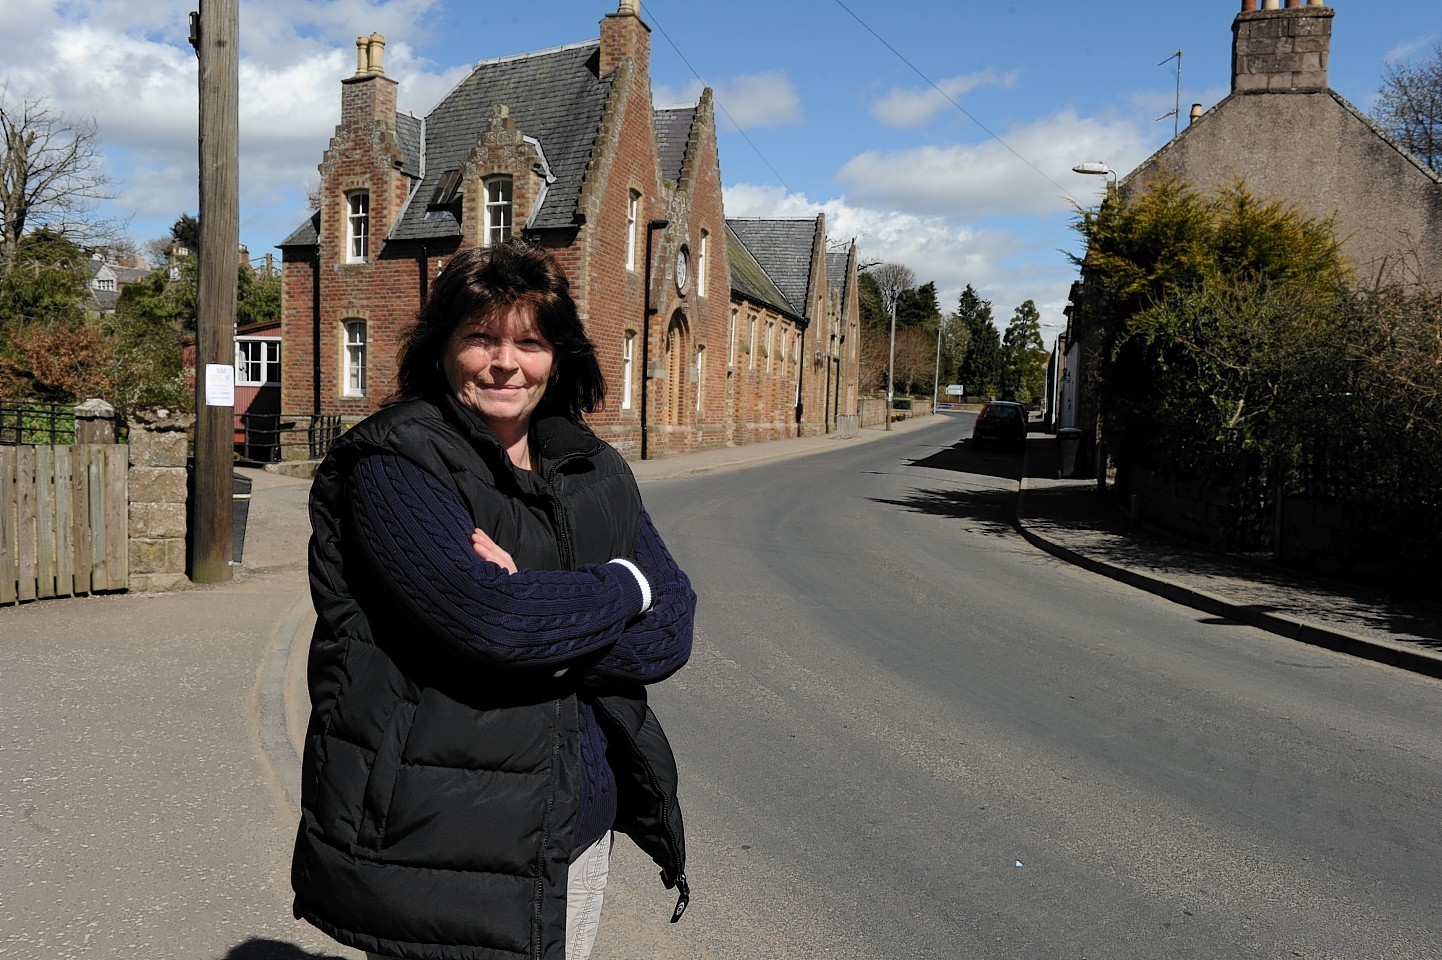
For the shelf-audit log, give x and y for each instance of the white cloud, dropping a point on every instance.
(759, 100)
(1404, 52)
(129, 65)
(1004, 265)
(746, 102)
(1029, 174)
(915, 108)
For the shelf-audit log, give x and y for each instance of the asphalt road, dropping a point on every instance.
(905, 733)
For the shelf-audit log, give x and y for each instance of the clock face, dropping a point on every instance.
(683, 267)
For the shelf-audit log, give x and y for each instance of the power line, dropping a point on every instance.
(929, 82)
(651, 16)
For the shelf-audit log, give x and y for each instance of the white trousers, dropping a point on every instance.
(585, 889)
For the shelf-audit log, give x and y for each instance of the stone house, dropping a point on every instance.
(563, 147)
(1289, 137)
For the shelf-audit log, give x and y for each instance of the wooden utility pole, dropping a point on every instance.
(216, 35)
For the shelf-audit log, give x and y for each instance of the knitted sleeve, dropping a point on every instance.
(658, 643)
(416, 533)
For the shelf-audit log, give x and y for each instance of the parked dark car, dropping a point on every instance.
(1002, 422)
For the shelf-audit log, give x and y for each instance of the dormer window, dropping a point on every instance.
(357, 229)
(498, 211)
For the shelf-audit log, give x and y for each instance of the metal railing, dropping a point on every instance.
(37, 424)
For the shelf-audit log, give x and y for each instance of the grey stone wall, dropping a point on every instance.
(1316, 152)
(159, 448)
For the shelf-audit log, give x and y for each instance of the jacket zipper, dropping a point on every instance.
(683, 889)
(546, 837)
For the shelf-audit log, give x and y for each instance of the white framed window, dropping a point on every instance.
(752, 346)
(633, 225)
(354, 382)
(701, 264)
(770, 337)
(731, 341)
(257, 362)
(498, 211)
(104, 283)
(700, 378)
(628, 368)
(357, 226)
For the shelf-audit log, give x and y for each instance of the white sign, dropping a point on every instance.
(219, 385)
(955, 390)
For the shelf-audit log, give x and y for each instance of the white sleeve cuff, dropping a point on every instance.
(640, 580)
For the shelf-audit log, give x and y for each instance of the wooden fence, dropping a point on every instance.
(64, 520)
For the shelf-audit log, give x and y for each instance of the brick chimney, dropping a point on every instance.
(625, 36)
(370, 94)
(1281, 50)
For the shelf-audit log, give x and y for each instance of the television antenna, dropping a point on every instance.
(1176, 112)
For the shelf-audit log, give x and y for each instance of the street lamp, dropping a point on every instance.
(1098, 169)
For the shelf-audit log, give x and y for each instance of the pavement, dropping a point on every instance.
(149, 743)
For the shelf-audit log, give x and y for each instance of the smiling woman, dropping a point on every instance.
(491, 599)
(499, 366)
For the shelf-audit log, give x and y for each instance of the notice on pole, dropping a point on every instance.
(955, 390)
(219, 385)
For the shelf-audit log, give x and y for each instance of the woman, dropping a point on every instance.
(491, 601)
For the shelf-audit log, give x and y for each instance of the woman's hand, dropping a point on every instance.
(486, 549)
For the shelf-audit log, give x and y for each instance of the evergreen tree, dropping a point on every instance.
(1024, 356)
(917, 307)
(980, 368)
(45, 282)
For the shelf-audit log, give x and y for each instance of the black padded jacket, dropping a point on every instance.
(438, 794)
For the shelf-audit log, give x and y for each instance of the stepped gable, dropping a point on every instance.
(750, 280)
(783, 249)
(673, 131)
(554, 96)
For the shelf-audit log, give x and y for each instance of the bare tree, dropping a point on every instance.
(52, 172)
(892, 279)
(1409, 106)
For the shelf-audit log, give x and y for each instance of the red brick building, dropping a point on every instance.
(564, 147)
(793, 348)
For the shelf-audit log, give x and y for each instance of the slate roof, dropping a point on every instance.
(783, 249)
(673, 131)
(305, 235)
(124, 277)
(836, 268)
(750, 280)
(554, 96)
(409, 129)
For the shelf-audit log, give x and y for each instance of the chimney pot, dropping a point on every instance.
(1249, 5)
(362, 56)
(1196, 113)
(1293, 4)
(377, 45)
(1271, 4)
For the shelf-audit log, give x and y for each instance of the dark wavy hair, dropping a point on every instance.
(488, 280)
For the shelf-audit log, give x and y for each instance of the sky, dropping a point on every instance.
(939, 134)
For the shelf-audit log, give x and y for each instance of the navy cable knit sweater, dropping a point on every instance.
(418, 532)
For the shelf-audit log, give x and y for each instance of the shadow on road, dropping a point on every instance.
(962, 457)
(256, 949)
